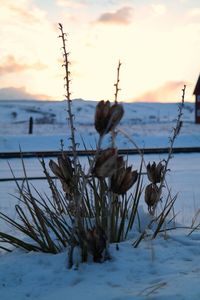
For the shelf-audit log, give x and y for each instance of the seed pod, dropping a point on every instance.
(102, 115)
(64, 163)
(55, 169)
(64, 172)
(155, 173)
(152, 196)
(116, 114)
(107, 117)
(106, 163)
(123, 180)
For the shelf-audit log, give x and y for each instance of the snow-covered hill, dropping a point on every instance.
(150, 124)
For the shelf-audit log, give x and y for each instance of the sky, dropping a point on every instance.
(157, 42)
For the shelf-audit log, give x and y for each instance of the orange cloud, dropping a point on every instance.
(121, 16)
(11, 93)
(11, 65)
(169, 92)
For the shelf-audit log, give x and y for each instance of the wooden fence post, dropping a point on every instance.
(30, 130)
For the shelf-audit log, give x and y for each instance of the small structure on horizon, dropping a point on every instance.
(197, 101)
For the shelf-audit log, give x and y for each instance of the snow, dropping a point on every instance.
(159, 269)
(164, 268)
(149, 124)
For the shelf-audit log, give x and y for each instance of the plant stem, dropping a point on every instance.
(77, 226)
(68, 93)
(117, 89)
(110, 194)
(176, 131)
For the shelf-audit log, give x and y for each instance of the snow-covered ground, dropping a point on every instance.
(165, 268)
(149, 124)
(160, 269)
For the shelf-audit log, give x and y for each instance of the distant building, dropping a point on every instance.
(197, 101)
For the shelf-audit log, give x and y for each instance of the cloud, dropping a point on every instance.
(11, 93)
(168, 92)
(20, 9)
(28, 43)
(11, 65)
(121, 16)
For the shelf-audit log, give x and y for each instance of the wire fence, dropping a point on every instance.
(44, 154)
(128, 151)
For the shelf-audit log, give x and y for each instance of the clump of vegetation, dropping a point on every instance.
(90, 209)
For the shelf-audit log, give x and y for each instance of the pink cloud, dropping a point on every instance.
(168, 92)
(12, 93)
(121, 16)
(11, 65)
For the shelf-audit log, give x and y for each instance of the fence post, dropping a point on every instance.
(30, 130)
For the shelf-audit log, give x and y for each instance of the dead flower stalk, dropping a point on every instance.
(88, 211)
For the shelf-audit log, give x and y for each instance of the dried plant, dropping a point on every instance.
(116, 85)
(107, 116)
(96, 242)
(123, 179)
(157, 175)
(155, 172)
(65, 172)
(89, 210)
(106, 163)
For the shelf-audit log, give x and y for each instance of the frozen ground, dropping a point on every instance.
(165, 268)
(162, 269)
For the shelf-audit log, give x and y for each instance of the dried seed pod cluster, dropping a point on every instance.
(155, 175)
(106, 163)
(107, 116)
(155, 172)
(110, 164)
(123, 179)
(64, 171)
(152, 196)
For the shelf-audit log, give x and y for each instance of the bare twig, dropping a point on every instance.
(169, 204)
(113, 137)
(77, 197)
(176, 131)
(68, 93)
(117, 89)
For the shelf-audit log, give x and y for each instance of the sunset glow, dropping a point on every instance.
(158, 43)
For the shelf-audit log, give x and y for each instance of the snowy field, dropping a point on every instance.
(149, 124)
(165, 268)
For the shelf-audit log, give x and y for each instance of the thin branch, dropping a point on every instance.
(68, 93)
(176, 131)
(117, 89)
